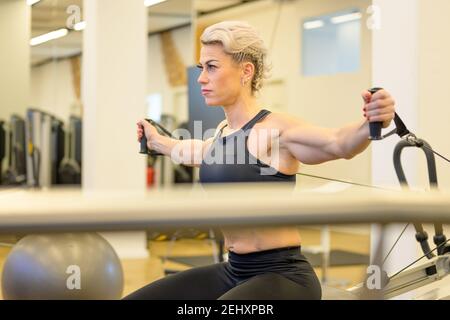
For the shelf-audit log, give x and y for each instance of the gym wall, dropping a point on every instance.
(434, 85)
(14, 57)
(52, 88)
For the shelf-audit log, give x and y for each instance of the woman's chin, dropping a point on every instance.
(212, 103)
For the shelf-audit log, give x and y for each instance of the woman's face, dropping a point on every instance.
(220, 78)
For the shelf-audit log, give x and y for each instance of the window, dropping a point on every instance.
(331, 43)
(154, 106)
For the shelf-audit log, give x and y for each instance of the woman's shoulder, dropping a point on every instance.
(281, 120)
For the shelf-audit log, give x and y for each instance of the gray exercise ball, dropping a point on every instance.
(62, 266)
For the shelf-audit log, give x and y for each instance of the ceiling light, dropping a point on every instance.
(346, 18)
(149, 3)
(313, 24)
(49, 36)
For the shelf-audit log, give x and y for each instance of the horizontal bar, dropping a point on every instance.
(215, 206)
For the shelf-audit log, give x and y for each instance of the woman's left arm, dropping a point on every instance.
(314, 145)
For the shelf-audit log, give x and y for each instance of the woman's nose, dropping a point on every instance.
(202, 78)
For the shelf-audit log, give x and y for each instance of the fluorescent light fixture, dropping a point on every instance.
(149, 3)
(346, 17)
(31, 2)
(49, 36)
(80, 26)
(313, 24)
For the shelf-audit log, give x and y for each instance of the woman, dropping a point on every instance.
(263, 263)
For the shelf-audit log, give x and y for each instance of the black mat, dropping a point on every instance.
(337, 258)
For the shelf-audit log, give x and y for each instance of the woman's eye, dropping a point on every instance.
(209, 67)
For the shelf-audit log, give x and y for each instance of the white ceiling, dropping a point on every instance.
(50, 15)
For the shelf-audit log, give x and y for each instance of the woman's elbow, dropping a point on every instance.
(349, 156)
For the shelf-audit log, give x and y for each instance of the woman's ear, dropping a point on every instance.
(248, 71)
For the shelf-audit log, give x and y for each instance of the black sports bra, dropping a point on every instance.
(228, 159)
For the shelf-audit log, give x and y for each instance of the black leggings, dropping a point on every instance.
(282, 274)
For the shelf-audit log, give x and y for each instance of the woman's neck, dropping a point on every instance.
(239, 113)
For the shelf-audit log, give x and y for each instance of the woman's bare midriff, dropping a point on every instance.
(246, 240)
(259, 239)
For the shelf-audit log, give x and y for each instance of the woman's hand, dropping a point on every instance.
(379, 107)
(150, 132)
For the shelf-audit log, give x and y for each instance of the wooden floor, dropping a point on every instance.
(143, 271)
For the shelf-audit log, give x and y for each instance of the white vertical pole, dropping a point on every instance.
(395, 67)
(113, 89)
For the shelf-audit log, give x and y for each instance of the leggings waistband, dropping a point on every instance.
(271, 253)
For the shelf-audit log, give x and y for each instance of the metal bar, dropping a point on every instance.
(42, 211)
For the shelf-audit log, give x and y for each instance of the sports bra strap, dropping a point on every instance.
(261, 115)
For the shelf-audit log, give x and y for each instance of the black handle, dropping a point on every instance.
(144, 148)
(375, 127)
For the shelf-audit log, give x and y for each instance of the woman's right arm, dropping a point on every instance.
(188, 152)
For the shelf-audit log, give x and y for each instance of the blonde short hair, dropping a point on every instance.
(240, 40)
